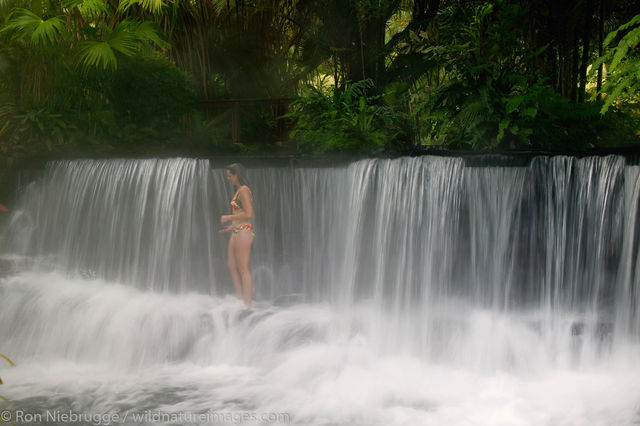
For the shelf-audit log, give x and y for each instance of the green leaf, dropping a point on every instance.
(627, 43)
(613, 34)
(513, 103)
(96, 54)
(148, 31)
(95, 8)
(121, 39)
(26, 24)
(48, 31)
(530, 112)
(526, 132)
(617, 91)
(153, 6)
(70, 4)
(504, 123)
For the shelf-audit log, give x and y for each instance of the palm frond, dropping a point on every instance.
(95, 8)
(122, 39)
(88, 8)
(70, 4)
(152, 6)
(47, 31)
(148, 31)
(97, 54)
(128, 38)
(26, 24)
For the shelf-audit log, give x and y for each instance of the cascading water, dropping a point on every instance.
(406, 291)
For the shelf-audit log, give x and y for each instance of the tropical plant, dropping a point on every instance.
(68, 37)
(483, 97)
(24, 132)
(359, 40)
(488, 91)
(344, 119)
(75, 71)
(123, 75)
(623, 64)
(237, 48)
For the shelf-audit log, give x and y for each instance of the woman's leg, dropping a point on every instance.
(244, 240)
(233, 266)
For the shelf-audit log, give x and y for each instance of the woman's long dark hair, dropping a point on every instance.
(238, 169)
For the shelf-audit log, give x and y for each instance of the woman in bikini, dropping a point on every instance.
(242, 233)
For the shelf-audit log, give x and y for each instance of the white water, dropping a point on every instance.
(389, 292)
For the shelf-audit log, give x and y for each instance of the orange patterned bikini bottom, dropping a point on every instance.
(236, 229)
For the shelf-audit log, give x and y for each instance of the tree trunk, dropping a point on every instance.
(586, 38)
(573, 82)
(600, 50)
(373, 53)
(552, 64)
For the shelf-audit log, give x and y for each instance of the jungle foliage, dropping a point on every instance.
(125, 77)
(344, 120)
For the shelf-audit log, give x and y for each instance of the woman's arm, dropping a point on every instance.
(247, 207)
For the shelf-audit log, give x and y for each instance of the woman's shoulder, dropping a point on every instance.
(244, 189)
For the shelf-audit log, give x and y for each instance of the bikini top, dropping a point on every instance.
(236, 204)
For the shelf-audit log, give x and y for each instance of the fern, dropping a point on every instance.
(624, 63)
(345, 119)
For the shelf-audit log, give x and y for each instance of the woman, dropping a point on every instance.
(242, 233)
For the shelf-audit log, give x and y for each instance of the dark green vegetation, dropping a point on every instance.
(129, 77)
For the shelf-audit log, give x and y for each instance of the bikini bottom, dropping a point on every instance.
(248, 226)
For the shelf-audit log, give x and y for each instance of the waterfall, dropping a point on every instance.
(449, 268)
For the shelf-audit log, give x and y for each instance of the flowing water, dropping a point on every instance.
(387, 292)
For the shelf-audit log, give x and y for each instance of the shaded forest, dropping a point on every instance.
(155, 77)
